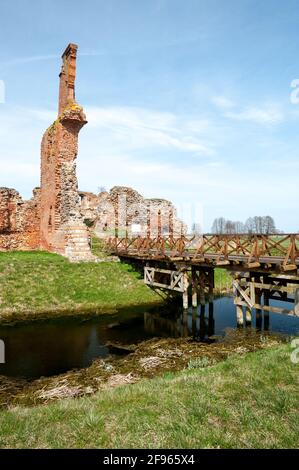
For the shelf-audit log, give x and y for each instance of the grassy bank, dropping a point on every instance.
(248, 400)
(40, 282)
(35, 283)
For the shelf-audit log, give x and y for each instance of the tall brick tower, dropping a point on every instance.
(62, 227)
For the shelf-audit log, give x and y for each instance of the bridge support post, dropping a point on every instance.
(248, 315)
(194, 318)
(185, 293)
(258, 300)
(296, 303)
(202, 324)
(266, 312)
(237, 302)
(202, 283)
(211, 322)
(239, 314)
(194, 288)
(185, 331)
(254, 290)
(211, 285)
(258, 312)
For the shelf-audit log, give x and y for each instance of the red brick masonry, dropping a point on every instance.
(55, 218)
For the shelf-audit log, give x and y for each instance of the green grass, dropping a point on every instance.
(248, 401)
(99, 248)
(33, 282)
(40, 281)
(223, 280)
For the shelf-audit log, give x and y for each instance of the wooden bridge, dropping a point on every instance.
(263, 267)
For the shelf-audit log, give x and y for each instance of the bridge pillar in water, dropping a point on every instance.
(258, 312)
(194, 287)
(202, 283)
(254, 290)
(240, 316)
(237, 302)
(211, 322)
(266, 312)
(185, 293)
(248, 315)
(296, 303)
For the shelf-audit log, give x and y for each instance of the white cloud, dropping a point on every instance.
(155, 152)
(21, 131)
(265, 115)
(132, 128)
(28, 60)
(269, 113)
(222, 102)
(42, 58)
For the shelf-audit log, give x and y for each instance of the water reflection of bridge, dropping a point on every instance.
(263, 267)
(198, 323)
(188, 323)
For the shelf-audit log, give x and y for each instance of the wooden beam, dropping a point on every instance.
(185, 293)
(242, 293)
(194, 288)
(289, 267)
(273, 287)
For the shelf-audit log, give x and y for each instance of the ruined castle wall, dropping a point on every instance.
(57, 216)
(19, 221)
(10, 202)
(60, 200)
(59, 194)
(125, 209)
(62, 228)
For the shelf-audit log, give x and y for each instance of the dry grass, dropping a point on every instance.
(147, 359)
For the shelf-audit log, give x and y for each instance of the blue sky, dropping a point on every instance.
(186, 100)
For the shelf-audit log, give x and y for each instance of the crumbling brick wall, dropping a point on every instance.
(62, 227)
(19, 221)
(10, 201)
(51, 219)
(59, 188)
(57, 216)
(125, 210)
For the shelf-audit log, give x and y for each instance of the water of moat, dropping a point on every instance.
(49, 348)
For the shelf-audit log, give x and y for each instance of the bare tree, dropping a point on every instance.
(239, 227)
(218, 226)
(230, 227)
(270, 225)
(222, 225)
(253, 225)
(260, 225)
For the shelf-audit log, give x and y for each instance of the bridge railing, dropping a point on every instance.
(253, 248)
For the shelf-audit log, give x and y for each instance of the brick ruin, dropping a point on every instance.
(59, 218)
(19, 220)
(62, 228)
(133, 212)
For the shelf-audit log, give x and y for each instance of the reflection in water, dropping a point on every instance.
(193, 322)
(49, 348)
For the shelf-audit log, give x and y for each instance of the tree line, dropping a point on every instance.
(258, 224)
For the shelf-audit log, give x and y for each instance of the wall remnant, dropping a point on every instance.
(125, 210)
(62, 227)
(19, 220)
(58, 217)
